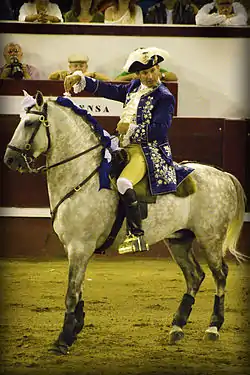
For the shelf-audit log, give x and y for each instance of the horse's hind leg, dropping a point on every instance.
(219, 271)
(181, 251)
(74, 315)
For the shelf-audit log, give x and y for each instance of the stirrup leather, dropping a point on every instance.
(133, 244)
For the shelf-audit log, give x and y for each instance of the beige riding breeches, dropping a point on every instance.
(136, 168)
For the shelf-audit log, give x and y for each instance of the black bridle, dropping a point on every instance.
(29, 158)
(26, 151)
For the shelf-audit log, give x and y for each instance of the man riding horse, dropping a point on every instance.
(145, 119)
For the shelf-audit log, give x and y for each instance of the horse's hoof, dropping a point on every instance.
(59, 348)
(176, 334)
(211, 334)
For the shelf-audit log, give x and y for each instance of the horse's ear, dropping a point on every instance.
(39, 98)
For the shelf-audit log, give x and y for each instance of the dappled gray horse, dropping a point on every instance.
(83, 214)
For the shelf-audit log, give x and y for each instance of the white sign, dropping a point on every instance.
(11, 105)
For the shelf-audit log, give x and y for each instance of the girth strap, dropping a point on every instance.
(115, 229)
(71, 192)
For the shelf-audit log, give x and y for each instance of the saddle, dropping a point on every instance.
(120, 160)
(144, 196)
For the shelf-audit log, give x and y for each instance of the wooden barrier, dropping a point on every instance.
(220, 142)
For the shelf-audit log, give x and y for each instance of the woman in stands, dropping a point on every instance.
(83, 11)
(123, 12)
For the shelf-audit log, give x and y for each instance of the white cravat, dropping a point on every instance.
(129, 112)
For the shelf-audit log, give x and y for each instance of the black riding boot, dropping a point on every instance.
(134, 241)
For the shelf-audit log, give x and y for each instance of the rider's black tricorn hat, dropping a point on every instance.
(144, 58)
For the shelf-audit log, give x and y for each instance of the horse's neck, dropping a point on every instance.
(70, 135)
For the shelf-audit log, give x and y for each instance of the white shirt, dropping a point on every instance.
(28, 9)
(239, 18)
(126, 17)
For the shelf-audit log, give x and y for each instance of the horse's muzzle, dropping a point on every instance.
(15, 161)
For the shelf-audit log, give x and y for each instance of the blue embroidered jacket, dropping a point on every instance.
(154, 117)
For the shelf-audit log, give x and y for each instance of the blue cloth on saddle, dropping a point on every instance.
(105, 166)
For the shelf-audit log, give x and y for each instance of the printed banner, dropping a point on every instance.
(11, 105)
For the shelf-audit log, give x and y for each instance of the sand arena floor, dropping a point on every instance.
(129, 304)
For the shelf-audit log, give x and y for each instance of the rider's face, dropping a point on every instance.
(149, 77)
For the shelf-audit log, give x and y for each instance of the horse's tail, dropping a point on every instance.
(236, 224)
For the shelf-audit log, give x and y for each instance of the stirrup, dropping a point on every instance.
(133, 244)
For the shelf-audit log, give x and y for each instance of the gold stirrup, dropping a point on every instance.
(133, 244)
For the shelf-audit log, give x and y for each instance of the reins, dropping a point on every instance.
(45, 169)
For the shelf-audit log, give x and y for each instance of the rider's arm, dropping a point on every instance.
(106, 90)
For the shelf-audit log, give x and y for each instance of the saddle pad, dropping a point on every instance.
(184, 189)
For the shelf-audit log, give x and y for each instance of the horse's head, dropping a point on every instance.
(31, 137)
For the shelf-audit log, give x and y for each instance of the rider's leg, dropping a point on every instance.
(130, 176)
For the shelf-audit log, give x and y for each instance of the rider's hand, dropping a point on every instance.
(70, 81)
(122, 127)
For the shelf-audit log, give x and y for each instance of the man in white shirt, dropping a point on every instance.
(222, 13)
(42, 11)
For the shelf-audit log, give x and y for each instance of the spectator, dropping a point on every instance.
(77, 63)
(222, 13)
(83, 11)
(6, 12)
(14, 68)
(123, 12)
(172, 12)
(40, 11)
(164, 74)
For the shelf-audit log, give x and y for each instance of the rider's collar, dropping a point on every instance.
(144, 87)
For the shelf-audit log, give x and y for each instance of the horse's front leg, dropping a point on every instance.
(74, 315)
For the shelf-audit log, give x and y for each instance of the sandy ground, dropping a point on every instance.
(129, 304)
